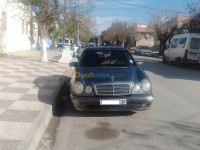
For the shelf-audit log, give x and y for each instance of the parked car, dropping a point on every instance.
(86, 45)
(184, 48)
(108, 78)
(143, 50)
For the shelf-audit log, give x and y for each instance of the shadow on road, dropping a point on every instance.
(179, 135)
(189, 72)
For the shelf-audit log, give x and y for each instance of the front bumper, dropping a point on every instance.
(134, 103)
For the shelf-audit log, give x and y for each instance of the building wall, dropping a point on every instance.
(145, 40)
(17, 32)
(145, 32)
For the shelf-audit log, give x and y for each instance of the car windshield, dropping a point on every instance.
(109, 58)
(144, 47)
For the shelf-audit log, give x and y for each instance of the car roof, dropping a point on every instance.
(106, 48)
(185, 35)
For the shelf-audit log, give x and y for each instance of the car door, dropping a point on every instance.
(180, 50)
(194, 49)
(173, 49)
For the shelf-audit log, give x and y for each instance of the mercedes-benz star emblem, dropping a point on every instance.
(112, 77)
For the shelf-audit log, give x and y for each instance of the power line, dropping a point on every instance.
(146, 7)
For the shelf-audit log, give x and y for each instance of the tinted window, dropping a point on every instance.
(112, 58)
(174, 43)
(182, 42)
(144, 47)
(66, 41)
(91, 45)
(195, 43)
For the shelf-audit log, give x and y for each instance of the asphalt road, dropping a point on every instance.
(172, 123)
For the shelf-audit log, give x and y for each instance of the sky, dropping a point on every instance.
(107, 11)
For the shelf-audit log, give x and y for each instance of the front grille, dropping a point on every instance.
(111, 89)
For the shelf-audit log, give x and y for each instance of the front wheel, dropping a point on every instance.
(179, 62)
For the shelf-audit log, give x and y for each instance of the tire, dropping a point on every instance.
(179, 62)
(164, 59)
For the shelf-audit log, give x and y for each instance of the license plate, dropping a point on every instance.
(113, 102)
(193, 54)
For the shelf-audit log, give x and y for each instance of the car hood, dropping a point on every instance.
(88, 75)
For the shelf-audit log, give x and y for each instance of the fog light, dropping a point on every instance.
(88, 89)
(144, 105)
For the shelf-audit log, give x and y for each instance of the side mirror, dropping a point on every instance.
(73, 64)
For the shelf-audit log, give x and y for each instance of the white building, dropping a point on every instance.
(14, 29)
(146, 33)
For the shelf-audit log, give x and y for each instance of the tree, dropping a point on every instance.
(165, 25)
(47, 12)
(194, 10)
(43, 12)
(56, 31)
(120, 33)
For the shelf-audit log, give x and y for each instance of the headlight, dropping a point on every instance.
(88, 89)
(78, 88)
(146, 86)
(136, 88)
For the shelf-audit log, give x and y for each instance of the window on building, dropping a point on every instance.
(182, 42)
(4, 21)
(26, 29)
(22, 26)
(195, 43)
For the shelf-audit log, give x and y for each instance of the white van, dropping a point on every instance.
(184, 48)
(59, 44)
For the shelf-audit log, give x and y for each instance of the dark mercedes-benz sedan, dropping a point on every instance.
(109, 79)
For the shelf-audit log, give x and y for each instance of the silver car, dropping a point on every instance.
(143, 50)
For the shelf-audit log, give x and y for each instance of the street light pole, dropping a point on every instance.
(78, 33)
(74, 21)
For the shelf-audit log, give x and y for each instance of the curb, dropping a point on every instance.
(37, 130)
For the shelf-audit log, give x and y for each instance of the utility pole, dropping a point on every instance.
(78, 33)
(74, 21)
(64, 24)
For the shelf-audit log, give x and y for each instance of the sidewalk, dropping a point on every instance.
(27, 90)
